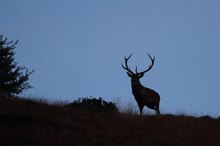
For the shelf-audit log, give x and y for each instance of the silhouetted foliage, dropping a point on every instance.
(12, 78)
(94, 104)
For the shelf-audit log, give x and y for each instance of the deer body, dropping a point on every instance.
(146, 97)
(143, 96)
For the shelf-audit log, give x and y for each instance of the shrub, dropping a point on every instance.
(93, 104)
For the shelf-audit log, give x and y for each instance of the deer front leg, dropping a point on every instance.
(141, 109)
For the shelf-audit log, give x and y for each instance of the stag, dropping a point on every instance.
(144, 96)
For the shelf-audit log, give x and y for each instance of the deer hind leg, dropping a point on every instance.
(157, 108)
(158, 111)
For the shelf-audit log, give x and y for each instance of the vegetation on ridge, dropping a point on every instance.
(94, 104)
(28, 122)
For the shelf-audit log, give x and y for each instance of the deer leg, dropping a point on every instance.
(157, 110)
(141, 109)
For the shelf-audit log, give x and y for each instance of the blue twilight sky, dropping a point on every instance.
(76, 48)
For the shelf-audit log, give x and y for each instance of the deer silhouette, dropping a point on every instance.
(144, 96)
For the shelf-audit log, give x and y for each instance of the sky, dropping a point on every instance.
(76, 48)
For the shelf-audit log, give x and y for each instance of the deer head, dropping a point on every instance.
(143, 96)
(136, 76)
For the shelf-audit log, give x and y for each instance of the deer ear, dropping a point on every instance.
(130, 75)
(141, 75)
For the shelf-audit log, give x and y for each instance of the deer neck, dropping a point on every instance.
(136, 86)
(137, 90)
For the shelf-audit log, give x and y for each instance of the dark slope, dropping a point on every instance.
(27, 122)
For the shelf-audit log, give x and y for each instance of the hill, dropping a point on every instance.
(27, 122)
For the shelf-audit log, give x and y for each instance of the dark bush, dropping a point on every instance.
(93, 104)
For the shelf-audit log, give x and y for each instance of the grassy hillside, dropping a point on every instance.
(27, 122)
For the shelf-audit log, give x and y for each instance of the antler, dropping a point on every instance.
(126, 64)
(150, 66)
